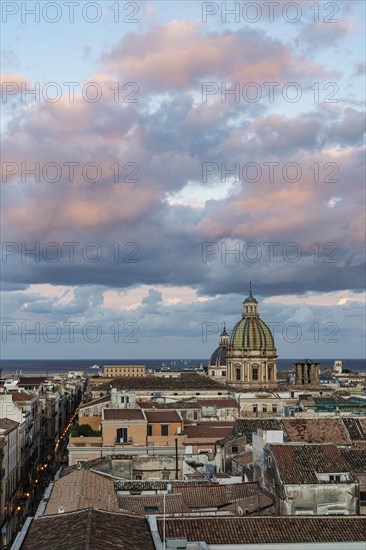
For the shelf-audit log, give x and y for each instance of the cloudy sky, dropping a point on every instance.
(158, 156)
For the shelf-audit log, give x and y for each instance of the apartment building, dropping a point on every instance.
(134, 371)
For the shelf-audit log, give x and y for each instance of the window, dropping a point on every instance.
(122, 435)
(138, 477)
(238, 374)
(235, 450)
(223, 373)
(274, 408)
(164, 430)
(264, 408)
(195, 415)
(198, 393)
(149, 430)
(165, 475)
(255, 408)
(212, 373)
(125, 399)
(335, 478)
(255, 373)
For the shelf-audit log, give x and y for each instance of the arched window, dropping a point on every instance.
(255, 373)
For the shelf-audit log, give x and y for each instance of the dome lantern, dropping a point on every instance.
(250, 304)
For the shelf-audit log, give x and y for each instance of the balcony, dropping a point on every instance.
(122, 442)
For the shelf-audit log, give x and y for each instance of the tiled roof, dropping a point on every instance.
(319, 430)
(89, 530)
(266, 530)
(22, 396)
(174, 504)
(354, 428)
(246, 426)
(356, 459)
(82, 489)
(208, 430)
(218, 496)
(103, 399)
(123, 414)
(300, 463)
(163, 416)
(31, 380)
(362, 424)
(191, 381)
(244, 458)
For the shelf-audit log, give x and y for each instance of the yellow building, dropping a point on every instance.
(127, 431)
(113, 371)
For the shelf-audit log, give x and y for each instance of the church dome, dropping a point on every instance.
(251, 333)
(218, 358)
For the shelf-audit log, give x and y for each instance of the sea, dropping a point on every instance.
(51, 366)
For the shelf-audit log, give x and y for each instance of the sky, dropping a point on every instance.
(159, 156)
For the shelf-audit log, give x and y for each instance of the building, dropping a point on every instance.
(309, 479)
(79, 490)
(10, 480)
(113, 371)
(262, 532)
(248, 356)
(163, 390)
(338, 367)
(307, 373)
(89, 529)
(131, 432)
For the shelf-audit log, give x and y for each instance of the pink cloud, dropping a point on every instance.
(178, 55)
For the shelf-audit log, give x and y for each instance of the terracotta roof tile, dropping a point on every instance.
(207, 430)
(362, 424)
(191, 381)
(31, 380)
(244, 458)
(319, 430)
(174, 504)
(356, 459)
(218, 496)
(123, 414)
(354, 428)
(300, 463)
(266, 530)
(162, 416)
(82, 489)
(22, 396)
(89, 530)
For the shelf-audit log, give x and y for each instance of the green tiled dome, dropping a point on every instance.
(253, 334)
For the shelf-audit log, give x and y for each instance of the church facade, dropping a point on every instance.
(246, 357)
